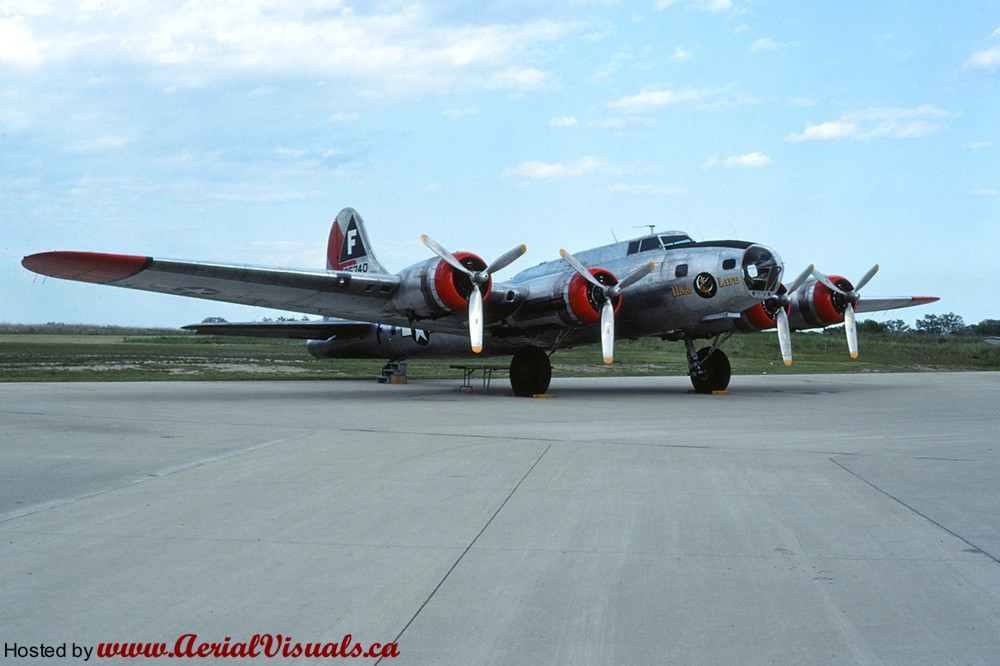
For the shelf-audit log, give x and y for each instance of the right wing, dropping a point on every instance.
(298, 330)
(343, 293)
(878, 304)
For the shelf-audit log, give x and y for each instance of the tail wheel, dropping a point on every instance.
(714, 371)
(530, 372)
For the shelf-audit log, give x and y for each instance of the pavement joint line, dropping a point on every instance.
(151, 476)
(468, 548)
(914, 510)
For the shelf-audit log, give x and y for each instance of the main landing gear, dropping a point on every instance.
(530, 372)
(708, 367)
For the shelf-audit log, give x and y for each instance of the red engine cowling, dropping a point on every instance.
(820, 306)
(585, 300)
(451, 288)
(763, 316)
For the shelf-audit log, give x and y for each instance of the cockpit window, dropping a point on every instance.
(675, 240)
(761, 271)
(650, 243)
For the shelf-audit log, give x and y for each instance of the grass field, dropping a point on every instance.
(67, 353)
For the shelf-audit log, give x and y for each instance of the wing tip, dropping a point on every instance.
(93, 267)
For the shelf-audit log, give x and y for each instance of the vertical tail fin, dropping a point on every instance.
(349, 248)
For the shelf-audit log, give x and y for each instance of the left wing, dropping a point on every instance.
(344, 293)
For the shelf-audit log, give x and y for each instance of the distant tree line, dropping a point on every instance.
(941, 326)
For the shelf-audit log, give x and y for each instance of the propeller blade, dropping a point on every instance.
(868, 276)
(581, 269)
(803, 276)
(784, 337)
(829, 283)
(506, 259)
(852, 330)
(636, 275)
(608, 331)
(448, 257)
(476, 319)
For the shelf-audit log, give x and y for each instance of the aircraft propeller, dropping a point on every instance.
(479, 279)
(779, 303)
(611, 292)
(850, 325)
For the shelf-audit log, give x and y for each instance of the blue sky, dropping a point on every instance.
(841, 134)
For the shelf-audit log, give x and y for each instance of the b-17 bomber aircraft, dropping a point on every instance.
(448, 306)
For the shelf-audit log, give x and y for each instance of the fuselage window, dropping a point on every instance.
(681, 270)
(728, 264)
(633, 247)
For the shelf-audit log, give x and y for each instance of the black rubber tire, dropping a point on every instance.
(717, 371)
(530, 372)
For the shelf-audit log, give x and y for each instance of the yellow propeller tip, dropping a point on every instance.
(608, 361)
(788, 362)
(854, 355)
(476, 350)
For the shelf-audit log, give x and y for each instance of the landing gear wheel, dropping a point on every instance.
(714, 371)
(530, 372)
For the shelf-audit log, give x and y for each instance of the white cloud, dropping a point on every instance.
(876, 123)
(100, 144)
(18, 45)
(405, 48)
(568, 121)
(680, 54)
(553, 171)
(344, 118)
(824, 132)
(750, 160)
(802, 102)
(702, 5)
(977, 145)
(988, 59)
(611, 68)
(992, 192)
(517, 78)
(765, 44)
(653, 99)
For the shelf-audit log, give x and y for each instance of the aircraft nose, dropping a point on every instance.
(762, 268)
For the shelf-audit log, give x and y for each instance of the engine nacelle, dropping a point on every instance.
(567, 299)
(585, 301)
(763, 315)
(433, 288)
(816, 305)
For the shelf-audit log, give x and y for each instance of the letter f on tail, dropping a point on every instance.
(349, 248)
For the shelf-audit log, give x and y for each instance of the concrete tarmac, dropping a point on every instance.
(800, 519)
